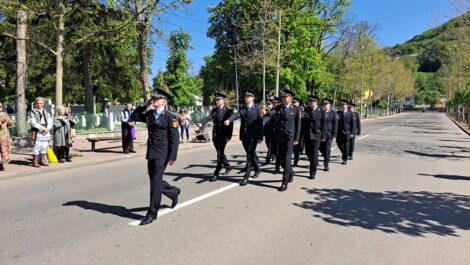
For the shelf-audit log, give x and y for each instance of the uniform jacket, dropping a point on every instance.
(287, 122)
(331, 124)
(220, 132)
(251, 127)
(163, 133)
(357, 123)
(345, 124)
(313, 123)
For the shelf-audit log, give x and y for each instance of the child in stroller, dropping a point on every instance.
(201, 135)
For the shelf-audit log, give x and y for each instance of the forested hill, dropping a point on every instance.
(424, 41)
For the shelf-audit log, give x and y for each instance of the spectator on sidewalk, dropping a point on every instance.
(127, 125)
(5, 138)
(41, 123)
(71, 117)
(184, 120)
(62, 139)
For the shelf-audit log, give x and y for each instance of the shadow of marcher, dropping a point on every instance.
(407, 212)
(449, 177)
(109, 209)
(435, 155)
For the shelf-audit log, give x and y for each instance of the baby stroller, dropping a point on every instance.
(201, 136)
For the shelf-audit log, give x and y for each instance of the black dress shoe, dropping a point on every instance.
(214, 178)
(132, 151)
(227, 170)
(149, 218)
(126, 152)
(312, 175)
(327, 168)
(244, 182)
(345, 162)
(350, 158)
(175, 200)
(257, 174)
(277, 171)
(283, 187)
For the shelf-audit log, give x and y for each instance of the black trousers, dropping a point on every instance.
(252, 161)
(269, 153)
(221, 158)
(311, 148)
(351, 146)
(158, 186)
(286, 148)
(343, 142)
(325, 149)
(127, 141)
(60, 152)
(298, 149)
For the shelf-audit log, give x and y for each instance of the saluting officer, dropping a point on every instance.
(299, 148)
(251, 133)
(313, 132)
(345, 130)
(331, 128)
(162, 147)
(220, 134)
(357, 128)
(287, 133)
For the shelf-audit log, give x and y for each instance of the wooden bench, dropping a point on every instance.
(93, 140)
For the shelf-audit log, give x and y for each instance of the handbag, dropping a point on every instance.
(133, 133)
(51, 157)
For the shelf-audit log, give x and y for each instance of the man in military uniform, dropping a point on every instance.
(331, 128)
(162, 148)
(287, 133)
(299, 148)
(357, 128)
(251, 133)
(220, 134)
(268, 131)
(345, 130)
(271, 124)
(313, 132)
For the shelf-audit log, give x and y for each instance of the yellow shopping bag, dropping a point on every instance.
(51, 156)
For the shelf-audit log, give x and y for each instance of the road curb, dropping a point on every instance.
(72, 165)
(465, 130)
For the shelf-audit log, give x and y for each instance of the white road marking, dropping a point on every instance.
(383, 129)
(205, 196)
(192, 201)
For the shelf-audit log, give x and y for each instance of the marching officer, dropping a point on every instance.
(272, 129)
(268, 131)
(313, 132)
(331, 128)
(162, 148)
(345, 130)
(221, 134)
(299, 149)
(357, 128)
(251, 133)
(287, 118)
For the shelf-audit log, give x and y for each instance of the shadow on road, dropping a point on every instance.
(443, 176)
(109, 209)
(409, 213)
(451, 155)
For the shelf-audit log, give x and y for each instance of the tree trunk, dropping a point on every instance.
(142, 30)
(21, 69)
(59, 69)
(87, 79)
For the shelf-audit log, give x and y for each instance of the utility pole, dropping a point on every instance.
(362, 88)
(236, 78)
(278, 55)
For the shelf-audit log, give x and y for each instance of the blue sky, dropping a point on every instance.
(398, 21)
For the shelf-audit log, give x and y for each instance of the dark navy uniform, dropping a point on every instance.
(162, 146)
(221, 134)
(331, 128)
(299, 148)
(251, 131)
(345, 130)
(356, 132)
(268, 129)
(287, 132)
(313, 132)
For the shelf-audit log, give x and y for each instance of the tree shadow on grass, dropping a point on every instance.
(407, 212)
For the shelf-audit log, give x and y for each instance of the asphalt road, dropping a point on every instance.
(405, 199)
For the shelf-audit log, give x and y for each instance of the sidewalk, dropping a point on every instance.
(106, 151)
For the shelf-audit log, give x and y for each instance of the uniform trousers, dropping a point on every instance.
(158, 186)
(252, 161)
(221, 158)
